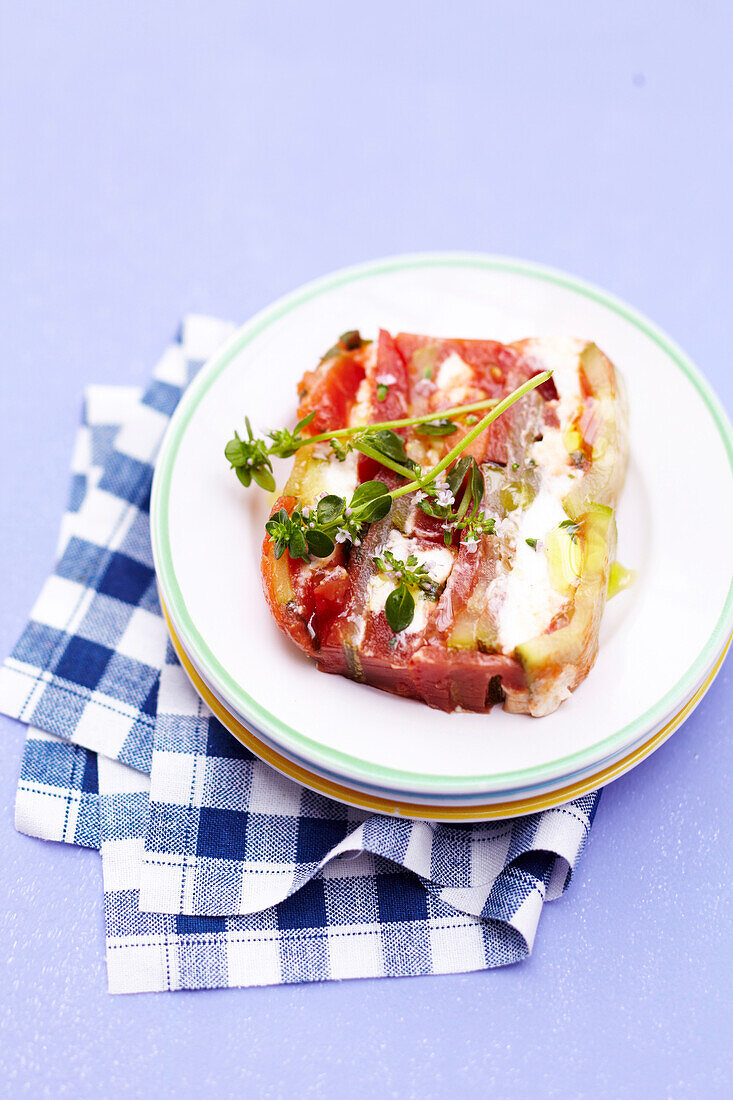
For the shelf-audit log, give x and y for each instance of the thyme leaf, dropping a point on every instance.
(399, 608)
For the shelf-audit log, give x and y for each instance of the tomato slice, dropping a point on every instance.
(389, 382)
(330, 391)
(467, 679)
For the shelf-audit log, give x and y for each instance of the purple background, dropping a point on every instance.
(173, 156)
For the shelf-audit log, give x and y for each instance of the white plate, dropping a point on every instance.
(675, 528)
(493, 807)
(534, 796)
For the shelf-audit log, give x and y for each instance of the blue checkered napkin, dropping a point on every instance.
(86, 667)
(57, 795)
(220, 872)
(357, 918)
(256, 880)
(226, 835)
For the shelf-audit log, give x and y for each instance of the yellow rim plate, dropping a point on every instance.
(422, 811)
(201, 527)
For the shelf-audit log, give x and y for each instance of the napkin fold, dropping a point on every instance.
(217, 870)
(226, 834)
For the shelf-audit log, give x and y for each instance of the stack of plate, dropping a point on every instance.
(662, 641)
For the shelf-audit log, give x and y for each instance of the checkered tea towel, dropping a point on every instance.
(218, 871)
(57, 796)
(359, 917)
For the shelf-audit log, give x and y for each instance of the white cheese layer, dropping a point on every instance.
(530, 602)
(380, 587)
(339, 478)
(455, 379)
(437, 560)
(361, 411)
(561, 355)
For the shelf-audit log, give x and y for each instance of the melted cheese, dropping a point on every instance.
(551, 456)
(380, 587)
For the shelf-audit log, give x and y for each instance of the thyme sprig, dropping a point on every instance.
(410, 572)
(399, 607)
(304, 531)
(459, 510)
(250, 458)
(387, 448)
(474, 433)
(253, 454)
(571, 527)
(456, 412)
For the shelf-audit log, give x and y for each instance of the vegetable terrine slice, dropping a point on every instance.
(504, 611)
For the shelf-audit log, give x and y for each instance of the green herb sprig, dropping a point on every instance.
(284, 442)
(571, 527)
(411, 572)
(250, 459)
(399, 607)
(459, 510)
(306, 532)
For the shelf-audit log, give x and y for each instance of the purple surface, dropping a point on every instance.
(167, 157)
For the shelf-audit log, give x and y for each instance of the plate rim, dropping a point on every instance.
(326, 756)
(453, 798)
(528, 802)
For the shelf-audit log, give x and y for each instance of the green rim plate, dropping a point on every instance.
(326, 757)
